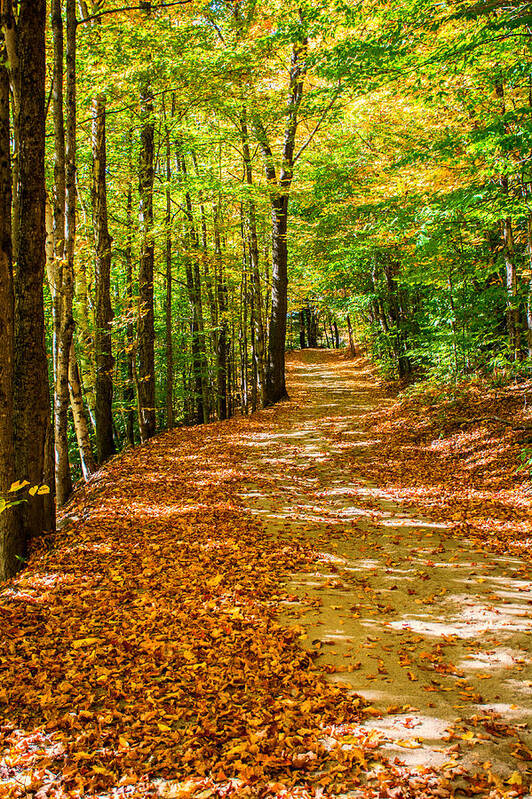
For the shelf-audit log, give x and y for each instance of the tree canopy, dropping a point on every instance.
(189, 188)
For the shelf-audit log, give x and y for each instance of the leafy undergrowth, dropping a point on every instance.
(140, 654)
(449, 452)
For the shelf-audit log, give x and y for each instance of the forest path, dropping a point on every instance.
(414, 620)
(141, 652)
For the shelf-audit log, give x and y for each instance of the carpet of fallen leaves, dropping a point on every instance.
(446, 450)
(141, 652)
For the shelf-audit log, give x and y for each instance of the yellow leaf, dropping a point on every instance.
(214, 581)
(515, 779)
(85, 642)
(164, 728)
(18, 484)
(44, 489)
(33, 490)
(408, 743)
(124, 743)
(102, 770)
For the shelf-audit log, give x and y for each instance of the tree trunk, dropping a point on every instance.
(302, 337)
(222, 349)
(129, 388)
(275, 373)
(529, 298)
(81, 427)
(336, 334)
(146, 331)
(32, 400)
(279, 197)
(169, 349)
(192, 268)
(259, 338)
(352, 350)
(102, 278)
(64, 238)
(512, 302)
(11, 532)
(512, 312)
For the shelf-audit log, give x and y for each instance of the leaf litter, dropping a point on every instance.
(142, 653)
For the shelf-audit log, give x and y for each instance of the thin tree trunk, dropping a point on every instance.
(222, 354)
(256, 295)
(102, 278)
(81, 427)
(64, 238)
(302, 337)
(529, 298)
(129, 389)
(146, 331)
(279, 196)
(336, 334)
(512, 302)
(352, 350)
(169, 349)
(512, 312)
(199, 356)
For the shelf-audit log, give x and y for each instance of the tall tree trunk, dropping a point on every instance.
(222, 349)
(169, 349)
(279, 196)
(302, 337)
(512, 302)
(64, 236)
(129, 388)
(336, 334)
(11, 533)
(256, 294)
(396, 317)
(199, 356)
(146, 331)
(81, 427)
(32, 399)
(529, 298)
(350, 334)
(104, 313)
(275, 374)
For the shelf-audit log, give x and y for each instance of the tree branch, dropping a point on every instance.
(317, 126)
(131, 8)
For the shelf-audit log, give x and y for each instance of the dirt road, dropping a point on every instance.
(411, 618)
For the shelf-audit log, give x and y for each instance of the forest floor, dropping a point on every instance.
(329, 597)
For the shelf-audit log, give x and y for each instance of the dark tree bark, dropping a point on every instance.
(222, 349)
(336, 334)
(279, 196)
(512, 300)
(396, 317)
(259, 338)
(169, 349)
(193, 277)
(129, 388)
(302, 337)
(12, 542)
(350, 334)
(104, 313)
(32, 400)
(146, 330)
(64, 226)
